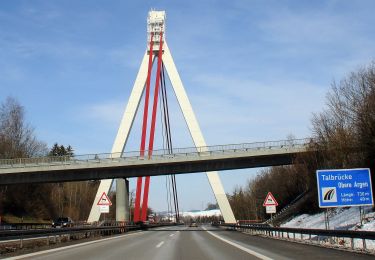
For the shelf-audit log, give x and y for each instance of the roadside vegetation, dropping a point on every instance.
(344, 136)
(37, 202)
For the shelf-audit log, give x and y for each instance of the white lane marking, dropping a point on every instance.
(72, 246)
(160, 244)
(249, 251)
(171, 235)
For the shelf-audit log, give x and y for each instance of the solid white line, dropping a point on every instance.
(160, 244)
(69, 247)
(249, 251)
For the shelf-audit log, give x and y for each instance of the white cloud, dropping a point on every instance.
(241, 110)
(108, 112)
(127, 56)
(304, 27)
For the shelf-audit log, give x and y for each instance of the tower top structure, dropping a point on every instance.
(155, 26)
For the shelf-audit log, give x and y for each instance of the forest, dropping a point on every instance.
(37, 202)
(344, 137)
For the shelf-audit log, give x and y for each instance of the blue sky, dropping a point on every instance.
(254, 70)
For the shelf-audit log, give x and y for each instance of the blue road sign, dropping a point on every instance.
(342, 188)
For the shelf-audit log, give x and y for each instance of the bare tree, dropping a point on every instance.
(17, 138)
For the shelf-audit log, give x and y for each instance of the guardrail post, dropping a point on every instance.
(21, 243)
(352, 243)
(364, 244)
(331, 240)
(47, 240)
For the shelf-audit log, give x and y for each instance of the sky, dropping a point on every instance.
(253, 70)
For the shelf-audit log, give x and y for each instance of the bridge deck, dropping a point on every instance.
(130, 164)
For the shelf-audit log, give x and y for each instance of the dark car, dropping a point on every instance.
(62, 222)
(193, 224)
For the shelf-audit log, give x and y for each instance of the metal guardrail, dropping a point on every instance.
(34, 233)
(25, 226)
(13, 240)
(157, 155)
(315, 236)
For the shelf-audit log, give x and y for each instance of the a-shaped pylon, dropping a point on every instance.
(157, 46)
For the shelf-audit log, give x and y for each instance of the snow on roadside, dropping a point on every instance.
(202, 213)
(339, 218)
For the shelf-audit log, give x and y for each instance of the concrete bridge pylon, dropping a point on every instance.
(156, 35)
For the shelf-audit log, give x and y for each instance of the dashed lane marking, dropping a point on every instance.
(160, 244)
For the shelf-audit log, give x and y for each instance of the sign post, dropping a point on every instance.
(270, 203)
(344, 188)
(104, 203)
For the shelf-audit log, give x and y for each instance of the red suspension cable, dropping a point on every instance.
(152, 130)
(144, 132)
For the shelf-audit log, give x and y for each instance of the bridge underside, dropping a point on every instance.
(148, 169)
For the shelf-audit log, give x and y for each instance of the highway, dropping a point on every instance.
(183, 242)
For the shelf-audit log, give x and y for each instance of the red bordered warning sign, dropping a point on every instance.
(104, 200)
(270, 200)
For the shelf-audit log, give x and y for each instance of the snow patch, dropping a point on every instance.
(339, 219)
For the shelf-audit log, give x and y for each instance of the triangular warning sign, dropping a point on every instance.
(104, 200)
(270, 200)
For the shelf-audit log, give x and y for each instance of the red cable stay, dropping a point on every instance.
(152, 130)
(144, 132)
(159, 78)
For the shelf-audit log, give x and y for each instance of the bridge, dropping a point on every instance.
(162, 162)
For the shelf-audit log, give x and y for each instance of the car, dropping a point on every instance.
(63, 222)
(193, 224)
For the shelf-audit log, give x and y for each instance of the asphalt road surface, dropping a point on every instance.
(191, 243)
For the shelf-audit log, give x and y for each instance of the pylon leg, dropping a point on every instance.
(196, 133)
(123, 132)
(122, 200)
